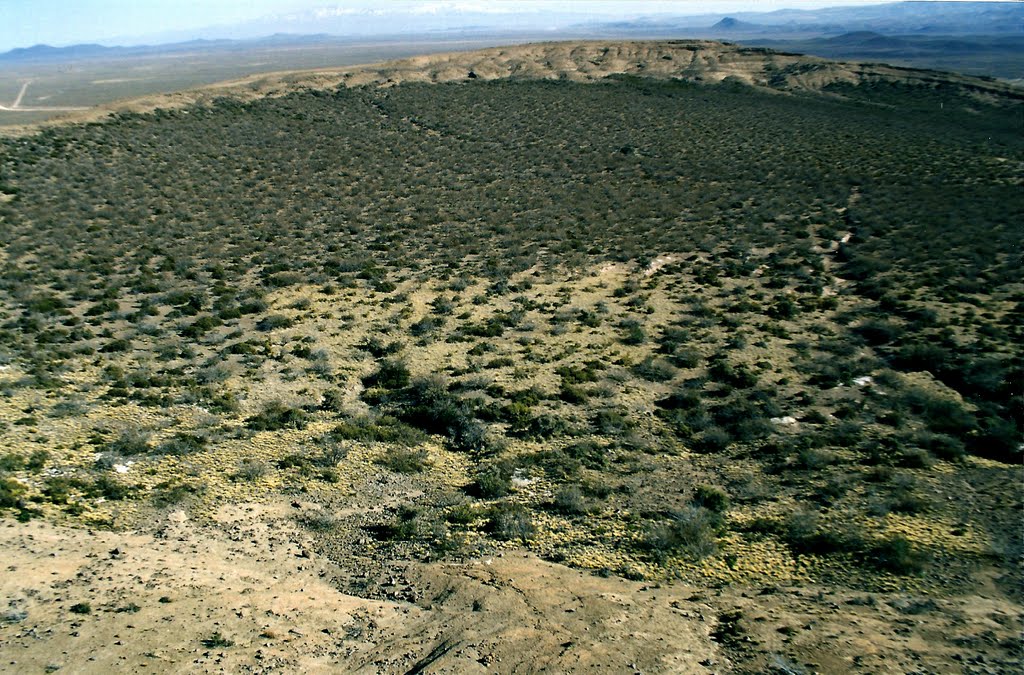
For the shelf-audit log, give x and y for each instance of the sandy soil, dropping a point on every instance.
(158, 599)
(154, 597)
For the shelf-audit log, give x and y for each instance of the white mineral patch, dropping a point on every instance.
(519, 479)
(783, 420)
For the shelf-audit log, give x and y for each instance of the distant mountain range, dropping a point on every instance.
(46, 53)
(894, 18)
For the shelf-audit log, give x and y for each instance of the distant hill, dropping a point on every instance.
(729, 24)
(903, 18)
(46, 52)
(866, 38)
(991, 55)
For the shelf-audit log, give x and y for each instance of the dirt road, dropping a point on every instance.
(16, 106)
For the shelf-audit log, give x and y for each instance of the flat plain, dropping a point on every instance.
(102, 78)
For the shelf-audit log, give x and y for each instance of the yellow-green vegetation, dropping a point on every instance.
(646, 328)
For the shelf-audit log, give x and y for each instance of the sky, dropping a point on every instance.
(63, 22)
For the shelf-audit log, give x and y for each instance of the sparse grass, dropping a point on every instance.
(404, 460)
(319, 520)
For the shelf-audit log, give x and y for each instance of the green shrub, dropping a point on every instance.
(735, 375)
(462, 514)
(48, 304)
(555, 463)
(276, 416)
(922, 357)
(579, 373)
(878, 331)
(384, 429)
(655, 370)
(896, 555)
(181, 443)
(814, 459)
(429, 403)
(11, 492)
(632, 332)
(57, 489)
(217, 641)
(712, 498)
(612, 422)
(804, 534)
(274, 322)
(745, 419)
(682, 399)
(102, 307)
(131, 442)
(255, 306)
(404, 460)
(108, 488)
(170, 493)
(570, 393)
(12, 462)
(116, 346)
(589, 453)
(511, 521)
(333, 401)
(542, 426)
(683, 357)
(997, 438)
(713, 439)
(493, 480)
(942, 414)
(516, 414)
(425, 326)
(690, 531)
(200, 327)
(249, 470)
(390, 374)
(570, 501)
(378, 348)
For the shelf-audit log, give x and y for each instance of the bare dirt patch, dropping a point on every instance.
(247, 594)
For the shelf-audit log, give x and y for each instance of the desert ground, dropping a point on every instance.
(380, 414)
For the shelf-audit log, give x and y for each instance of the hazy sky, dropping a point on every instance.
(61, 22)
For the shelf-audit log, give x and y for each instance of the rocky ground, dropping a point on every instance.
(248, 593)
